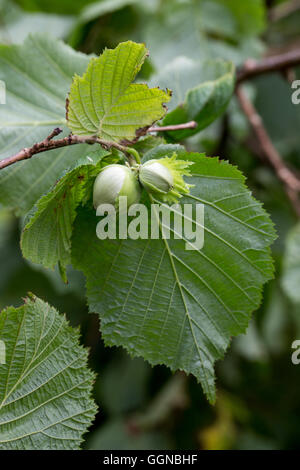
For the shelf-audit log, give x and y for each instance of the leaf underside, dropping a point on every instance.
(178, 307)
(45, 386)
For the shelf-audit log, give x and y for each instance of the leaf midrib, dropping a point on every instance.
(182, 297)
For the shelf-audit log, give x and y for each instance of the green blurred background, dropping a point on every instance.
(141, 407)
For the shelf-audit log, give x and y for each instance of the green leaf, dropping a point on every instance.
(200, 30)
(249, 16)
(45, 385)
(291, 265)
(104, 102)
(46, 238)
(37, 75)
(175, 306)
(96, 9)
(16, 24)
(55, 6)
(201, 92)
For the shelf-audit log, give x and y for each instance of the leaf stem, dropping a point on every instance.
(134, 153)
(49, 144)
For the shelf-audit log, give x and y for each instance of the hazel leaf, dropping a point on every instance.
(105, 102)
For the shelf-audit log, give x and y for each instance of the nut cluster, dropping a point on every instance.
(162, 178)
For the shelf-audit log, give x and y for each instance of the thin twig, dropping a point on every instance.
(252, 68)
(175, 127)
(50, 144)
(290, 181)
(284, 9)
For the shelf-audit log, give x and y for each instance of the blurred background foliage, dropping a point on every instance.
(141, 407)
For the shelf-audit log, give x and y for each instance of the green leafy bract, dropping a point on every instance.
(45, 385)
(46, 238)
(175, 306)
(104, 102)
